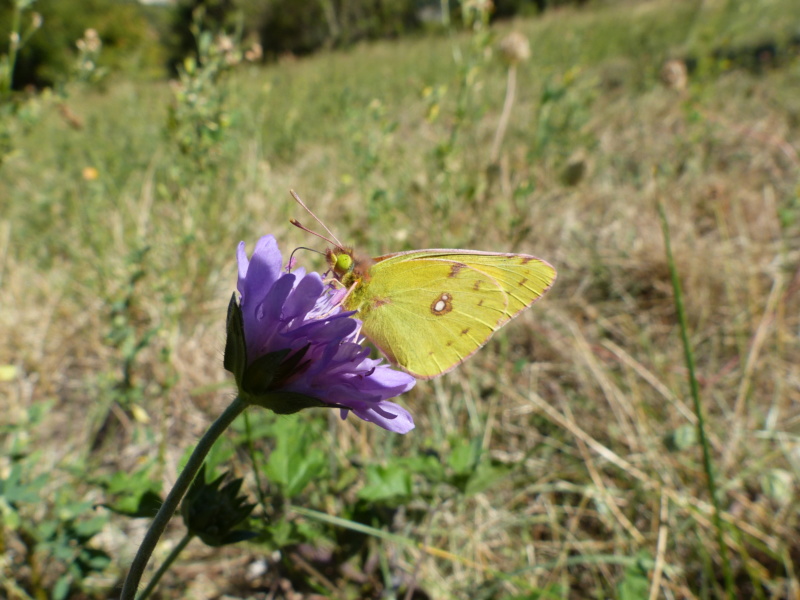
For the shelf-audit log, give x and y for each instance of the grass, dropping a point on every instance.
(591, 481)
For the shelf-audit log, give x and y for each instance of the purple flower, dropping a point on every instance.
(291, 346)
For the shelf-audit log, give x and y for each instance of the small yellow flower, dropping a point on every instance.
(8, 372)
(90, 173)
(140, 414)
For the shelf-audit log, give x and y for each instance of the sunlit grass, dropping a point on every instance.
(581, 405)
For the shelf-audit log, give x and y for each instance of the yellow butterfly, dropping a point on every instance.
(430, 310)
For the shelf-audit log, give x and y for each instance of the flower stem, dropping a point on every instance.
(176, 495)
(502, 125)
(13, 48)
(165, 566)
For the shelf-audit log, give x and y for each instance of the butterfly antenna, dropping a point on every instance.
(290, 264)
(299, 225)
(333, 239)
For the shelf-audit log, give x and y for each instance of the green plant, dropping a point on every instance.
(11, 106)
(52, 541)
(198, 115)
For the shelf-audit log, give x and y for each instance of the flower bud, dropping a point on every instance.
(212, 513)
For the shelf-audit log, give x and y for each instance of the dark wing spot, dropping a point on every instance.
(477, 285)
(455, 268)
(522, 281)
(442, 304)
(376, 302)
(481, 302)
(526, 260)
(449, 343)
(465, 331)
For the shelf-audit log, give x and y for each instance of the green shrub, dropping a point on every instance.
(47, 59)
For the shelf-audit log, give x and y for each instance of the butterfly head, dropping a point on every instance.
(340, 261)
(346, 267)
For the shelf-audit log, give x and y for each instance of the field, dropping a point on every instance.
(566, 459)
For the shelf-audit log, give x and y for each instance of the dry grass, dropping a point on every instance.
(580, 399)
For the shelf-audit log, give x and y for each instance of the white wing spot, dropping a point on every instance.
(442, 305)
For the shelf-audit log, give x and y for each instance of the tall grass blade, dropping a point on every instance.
(698, 409)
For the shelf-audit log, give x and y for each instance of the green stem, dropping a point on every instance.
(176, 495)
(165, 566)
(13, 47)
(698, 409)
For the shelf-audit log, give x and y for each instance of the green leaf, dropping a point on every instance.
(635, 584)
(390, 483)
(61, 588)
(9, 516)
(484, 477)
(87, 529)
(134, 494)
(14, 490)
(94, 560)
(464, 456)
(428, 466)
(284, 533)
(146, 506)
(295, 462)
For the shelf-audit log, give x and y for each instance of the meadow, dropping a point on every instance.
(566, 459)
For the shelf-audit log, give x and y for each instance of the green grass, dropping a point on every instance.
(590, 483)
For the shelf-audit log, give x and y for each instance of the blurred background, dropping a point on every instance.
(140, 142)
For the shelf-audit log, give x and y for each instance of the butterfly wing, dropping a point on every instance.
(429, 310)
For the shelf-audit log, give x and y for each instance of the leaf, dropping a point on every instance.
(14, 490)
(464, 456)
(146, 507)
(385, 484)
(61, 588)
(484, 477)
(635, 583)
(295, 462)
(428, 466)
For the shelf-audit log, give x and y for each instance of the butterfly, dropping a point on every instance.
(428, 311)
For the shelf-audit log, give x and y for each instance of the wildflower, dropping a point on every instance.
(291, 346)
(254, 53)
(90, 43)
(90, 173)
(514, 48)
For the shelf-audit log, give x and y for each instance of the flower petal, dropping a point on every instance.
(304, 296)
(388, 415)
(257, 275)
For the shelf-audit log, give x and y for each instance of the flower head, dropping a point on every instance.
(515, 48)
(291, 346)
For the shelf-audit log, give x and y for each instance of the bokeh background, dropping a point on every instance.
(141, 142)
